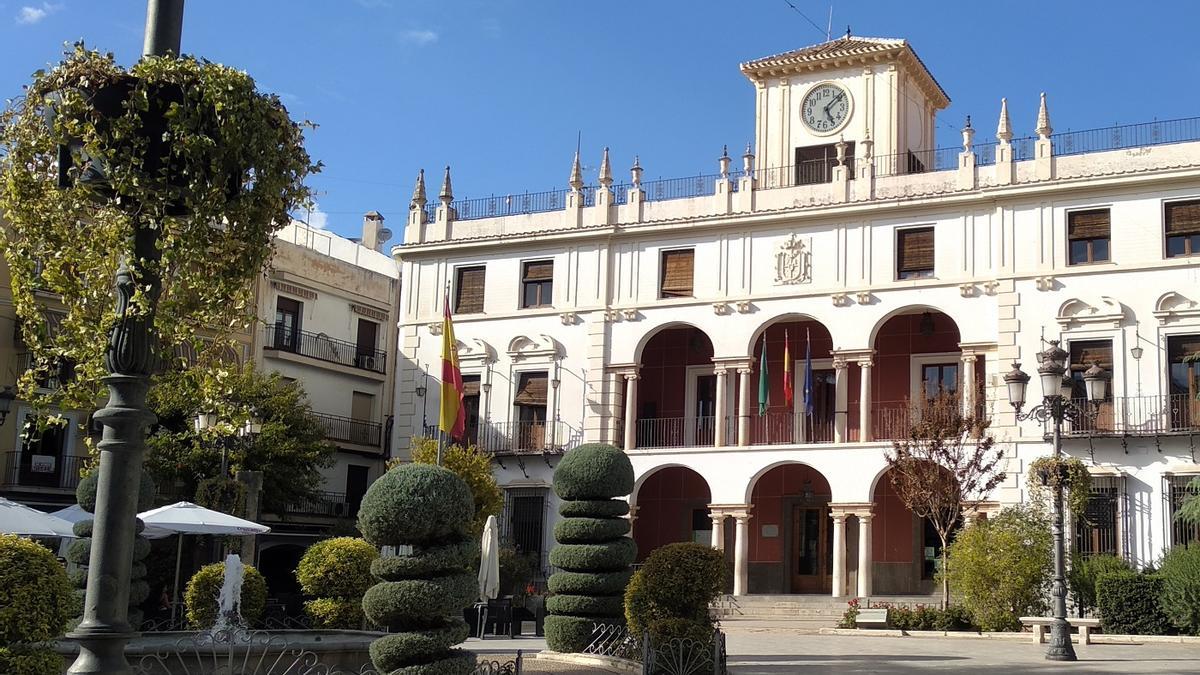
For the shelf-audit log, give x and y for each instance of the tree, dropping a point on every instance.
(945, 467)
(1189, 511)
(470, 464)
(289, 451)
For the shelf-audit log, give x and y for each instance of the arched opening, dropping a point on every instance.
(798, 407)
(278, 565)
(905, 549)
(676, 390)
(672, 506)
(791, 534)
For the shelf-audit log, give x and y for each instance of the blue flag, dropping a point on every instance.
(808, 378)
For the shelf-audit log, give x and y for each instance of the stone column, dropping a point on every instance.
(839, 554)
(864, 554)
(630, 411)
(967, 386)
(722, 404)
(718, 532)
(744, 413)
(842, 394)
(632, 518)
(741, 553)
(864, 399)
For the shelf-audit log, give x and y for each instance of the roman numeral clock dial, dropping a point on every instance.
(825, 108)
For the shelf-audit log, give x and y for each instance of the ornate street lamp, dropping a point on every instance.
(6, 400)
(1055, 407)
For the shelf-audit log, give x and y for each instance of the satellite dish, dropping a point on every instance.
(384, 234)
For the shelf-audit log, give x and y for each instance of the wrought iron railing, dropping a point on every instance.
(1138, 416)
(894, 420)
(329, 504)
(776, 428)
(917, 161)
(29, 469)
(1120, 137)
(350, 430)
(324, 348)
(514, 438)
(675, 432)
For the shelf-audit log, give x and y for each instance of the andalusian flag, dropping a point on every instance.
(788, 392)
(453, 420)
(764, 389)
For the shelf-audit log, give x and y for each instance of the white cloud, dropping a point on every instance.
(419, 37)
(29, 15)
(313, 217)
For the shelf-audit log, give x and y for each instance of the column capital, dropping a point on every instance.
(838, 517)
(745, 370)
(739, 512)
(631, 376)
(732, 362)
(840, 362)
(851, 508)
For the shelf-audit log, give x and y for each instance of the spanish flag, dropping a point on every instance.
(453, 421)
(788, 392)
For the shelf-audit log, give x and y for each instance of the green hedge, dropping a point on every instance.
(589, 583)
(427, 561)
(1180, 597)
(593, 471)
(1129, 604)
(406, 649)
(337, 568)
(589, 530)
(1083, 574)
(82, 528)
(665, 630)
(35, 594)
(613, 556)
(567, 634)
(79, 551)
(335, 613)
(139, 592)
(30, 661)
(204, 588)
(607, 606)
(416, 504)
(594, 508)
(455, 662)
(677, 581)
(415, 603)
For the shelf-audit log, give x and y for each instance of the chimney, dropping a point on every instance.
(372, 224)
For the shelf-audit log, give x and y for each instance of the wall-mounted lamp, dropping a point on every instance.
(421, 391)
(926, 326)
(1136, 353)
(554, 383)
(807, 490)
(6, 400)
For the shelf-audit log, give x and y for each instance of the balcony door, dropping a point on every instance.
(817, 427)
(356, 486)
(288, 313)
(42, 455)
(1183, 352)
(530, 403)
(701, 405)
(364, 345)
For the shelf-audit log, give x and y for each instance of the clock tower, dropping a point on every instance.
(851, 89)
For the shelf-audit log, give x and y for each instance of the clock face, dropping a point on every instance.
(825, 108)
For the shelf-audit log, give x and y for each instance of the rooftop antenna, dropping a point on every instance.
(847, 30)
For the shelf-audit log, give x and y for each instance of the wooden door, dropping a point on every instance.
(811, 549)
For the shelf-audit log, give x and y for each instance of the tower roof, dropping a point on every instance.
(845, 51)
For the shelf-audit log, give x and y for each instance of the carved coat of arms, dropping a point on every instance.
(793, 262)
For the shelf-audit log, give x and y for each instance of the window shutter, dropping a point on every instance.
(469, 294)
(677, 273)
(470, 385)
(532, 390)
(1183, 217)
(541, 270)
(1092, 224)
(914, 250)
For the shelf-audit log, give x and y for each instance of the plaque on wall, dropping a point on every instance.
(770, 531)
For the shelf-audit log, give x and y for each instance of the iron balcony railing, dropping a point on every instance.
(893, 420)
(1120, 137)
(328, 504)
(1137, 416)
(350, 430)
(514, 438)
(779, 428)
(28, 469)
(324, 348)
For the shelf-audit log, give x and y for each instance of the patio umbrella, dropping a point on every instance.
(489, 561)
(187, 518)
(20, 519)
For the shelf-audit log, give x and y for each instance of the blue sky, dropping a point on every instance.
(499, 89)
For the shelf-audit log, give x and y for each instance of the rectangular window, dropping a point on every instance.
(42, 454)
(468, 290)
(1181, 222)
(1096, 530)
(362, 406)
(1183, 355)
(537, 284)
(530, 403)
(1083, 354)
(526, 511)
(939, 379)
(288, 313)
(1180, 488)
(677, 274)
(1087, 236)
(914, 253)
(471, 407)
(814, 164)
(365, 342)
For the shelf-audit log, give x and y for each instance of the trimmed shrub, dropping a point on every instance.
(336, 571)
(79, 552)
(1180, 598)
(676, 581)
(85, 492)
(1083, 574)
(35, 596)
(423, 595)
(592, 550)
(204, 588)
(593, 471)
(30, 661)
(335, 613)
(1128, 604)
(665, 630)
(82, 528)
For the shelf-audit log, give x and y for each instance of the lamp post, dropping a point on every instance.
(1055, 407)
(129, 359)
(252, 427)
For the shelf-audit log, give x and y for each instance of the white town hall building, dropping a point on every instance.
(639, 314)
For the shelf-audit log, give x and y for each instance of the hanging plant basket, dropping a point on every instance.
(1047, 473)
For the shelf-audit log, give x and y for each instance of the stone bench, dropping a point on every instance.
(871, 618)
(1040, 625)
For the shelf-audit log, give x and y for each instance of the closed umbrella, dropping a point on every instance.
(489, 561)
(20, 519)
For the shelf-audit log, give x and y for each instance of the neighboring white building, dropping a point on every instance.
(636, 314)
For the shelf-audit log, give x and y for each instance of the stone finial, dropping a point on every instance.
(418, 196)
(447, 194)
(576, 181)
(748, 161)
(840, 146)
(867, 145)
(968, 135)
(605, 170)
(1043, 123)
(1004, 128)
(635, 172)
(723, 162)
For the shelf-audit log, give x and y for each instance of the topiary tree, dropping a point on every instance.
(337, 572)
(1083, 574)
(204, 589)
(669, 596)
(1130, 604)
(593, 552)
(35, 605)
(421, 597)
(470, 464)
(1180, 597)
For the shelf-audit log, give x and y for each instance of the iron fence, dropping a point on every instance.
(27, 469)
(350, 430)
(1120, 137)
(327, 504)
(1178, 489)
(324, 348)
(1136, 416)
(917, 161)
(701, 185)
(676, 432)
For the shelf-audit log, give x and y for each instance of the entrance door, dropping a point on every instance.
(705, 410)
(812, 550)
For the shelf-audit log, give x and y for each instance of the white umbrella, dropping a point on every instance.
(75, 514)
(489, 561)
(187, 518)
(20, 519)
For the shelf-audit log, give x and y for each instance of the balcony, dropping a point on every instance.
(351, 430)
(520, 438)
(325, 504)
(323, 348)
(1138, 416)
(28, 470)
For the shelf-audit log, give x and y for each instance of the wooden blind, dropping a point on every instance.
(677, 273)
(532, 390)
(1183, 217)
(470, 385)
(540, 270)
(1084, 353)
(1091, 224)
(468, 296)
(914, 249)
